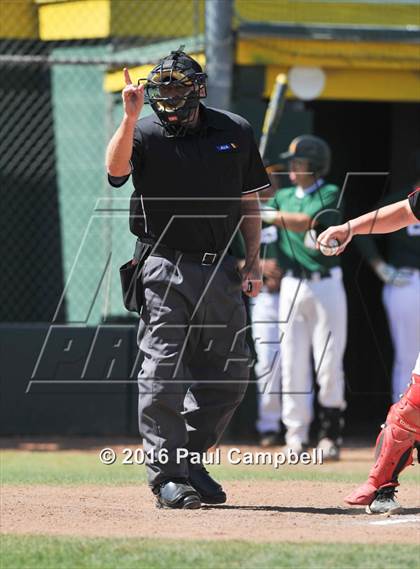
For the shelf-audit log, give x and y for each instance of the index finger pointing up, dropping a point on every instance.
(127, 77)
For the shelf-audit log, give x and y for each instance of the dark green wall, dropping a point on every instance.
(31, 279)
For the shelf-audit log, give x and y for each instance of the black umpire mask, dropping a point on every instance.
(174, 89)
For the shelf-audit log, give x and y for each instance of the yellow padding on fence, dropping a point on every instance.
(327, 53)
(386, 13)
(74, 20)
(82, 19)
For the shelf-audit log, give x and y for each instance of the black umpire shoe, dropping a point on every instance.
(176, 494)
(209, 490)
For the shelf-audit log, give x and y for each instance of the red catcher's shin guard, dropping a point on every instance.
(394, 446)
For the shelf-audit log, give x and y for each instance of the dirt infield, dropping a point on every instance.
(256, 511)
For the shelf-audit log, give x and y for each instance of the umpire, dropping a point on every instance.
(195, 173)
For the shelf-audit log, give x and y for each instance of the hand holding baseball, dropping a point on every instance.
(334, 240)
(330, 248)
(133, 97)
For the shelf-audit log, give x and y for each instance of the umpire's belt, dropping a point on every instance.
(205, 258)
(308, 275)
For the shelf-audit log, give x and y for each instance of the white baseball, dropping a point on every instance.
(330, 249)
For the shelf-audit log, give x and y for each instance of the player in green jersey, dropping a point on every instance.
(313, 310)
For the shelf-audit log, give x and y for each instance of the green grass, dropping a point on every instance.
(52, 553)
(79, 467)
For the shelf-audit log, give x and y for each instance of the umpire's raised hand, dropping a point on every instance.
(120, 147)
(133, 97)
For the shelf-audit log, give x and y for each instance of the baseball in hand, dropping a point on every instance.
(330, 248)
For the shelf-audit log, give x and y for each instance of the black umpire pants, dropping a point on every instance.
(195, 359)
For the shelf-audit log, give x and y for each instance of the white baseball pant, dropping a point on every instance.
(265, 330)
(313, 315)
(416, 369)
(402, 304)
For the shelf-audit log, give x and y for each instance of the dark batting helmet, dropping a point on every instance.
(174, 89)
(313, 149)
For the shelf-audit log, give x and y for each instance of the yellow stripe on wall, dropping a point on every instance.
(82, 19)
(386, 13)
(327, 53)
(157, 18)
(360, 84)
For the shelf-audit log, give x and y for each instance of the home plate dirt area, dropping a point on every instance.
(259, 511)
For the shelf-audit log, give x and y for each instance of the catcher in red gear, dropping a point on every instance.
(400, 433)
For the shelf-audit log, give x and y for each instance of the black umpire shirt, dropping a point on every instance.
(188, 189)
